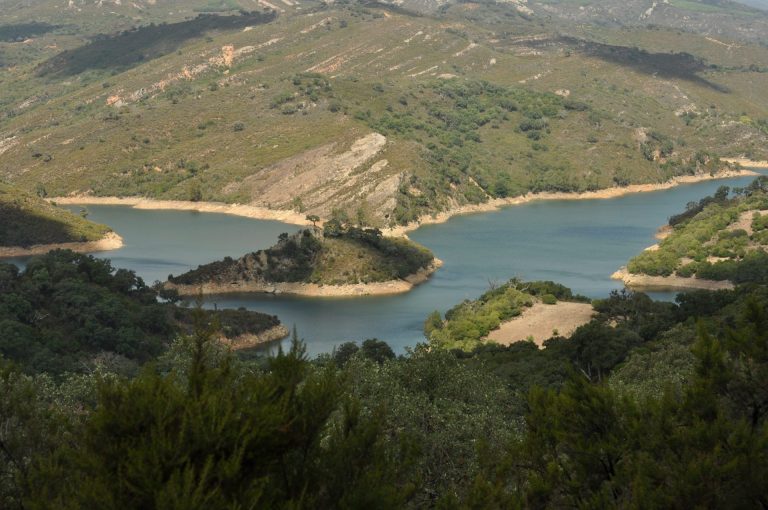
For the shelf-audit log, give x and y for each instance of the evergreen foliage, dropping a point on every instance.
(66, 310)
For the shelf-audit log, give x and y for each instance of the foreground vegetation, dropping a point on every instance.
(339, 254)
(67, 312)
(652, 404)
(28, 220)
(722, 237)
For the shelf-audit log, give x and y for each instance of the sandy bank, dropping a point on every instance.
(286, 216)
(248, 211)
(645, 282)
(540, 320)
(111, 241)
(311, 289)
(498, 203)
(749, 163)
(248, 341)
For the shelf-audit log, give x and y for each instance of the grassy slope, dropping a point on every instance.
(180, 141)
(28, 220)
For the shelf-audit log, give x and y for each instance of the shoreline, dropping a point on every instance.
(294, 218)
(606, 193)
(387, 288)
(110, 241)
(747, 163)
(246, 211)
(646, 282)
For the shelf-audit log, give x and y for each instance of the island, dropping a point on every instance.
(335, 260)
(717, 242)
(30, 225)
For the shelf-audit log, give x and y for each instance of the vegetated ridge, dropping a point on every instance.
(68, 312)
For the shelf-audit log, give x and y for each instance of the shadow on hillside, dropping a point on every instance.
(681, 66)
(128, 49)
(23, 228)
(22, 31)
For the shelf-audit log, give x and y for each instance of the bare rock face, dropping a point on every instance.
(325, 178)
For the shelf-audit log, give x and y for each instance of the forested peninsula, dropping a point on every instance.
(335, 260)
(717, 242)
(68, 312)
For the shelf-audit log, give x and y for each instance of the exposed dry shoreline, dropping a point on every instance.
(248, 341)
(247, 211)
(110, 241)
(296, 218)
(749, 163)
(498, 203)
(311, 289)
(540, 321)
(645, 282)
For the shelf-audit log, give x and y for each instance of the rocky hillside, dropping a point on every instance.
(26, 220)
(373, 111)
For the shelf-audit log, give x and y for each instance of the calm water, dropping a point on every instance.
(577, 243)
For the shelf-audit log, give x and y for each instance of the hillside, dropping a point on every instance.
(711, 18)
(372, 110)
(28, 220)
(335, 261)
(719, 241)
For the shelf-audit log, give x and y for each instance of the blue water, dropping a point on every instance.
(578, 243)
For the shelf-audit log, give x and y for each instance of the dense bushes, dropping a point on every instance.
(449, 121)
(637, 408)
(67, 311)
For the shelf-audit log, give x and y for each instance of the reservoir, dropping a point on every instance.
(578, 243)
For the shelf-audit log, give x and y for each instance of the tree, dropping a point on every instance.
(377, 350)
(313, 218)
(215, 436)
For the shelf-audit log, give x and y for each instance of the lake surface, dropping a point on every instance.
(578, 243)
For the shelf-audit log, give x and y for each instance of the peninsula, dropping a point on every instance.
(337, 260)
(717, 242)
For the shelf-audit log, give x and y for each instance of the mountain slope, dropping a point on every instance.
(379, 113)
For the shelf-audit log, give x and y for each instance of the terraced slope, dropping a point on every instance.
(375, 112)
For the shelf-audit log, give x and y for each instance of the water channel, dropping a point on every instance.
(578, 243)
